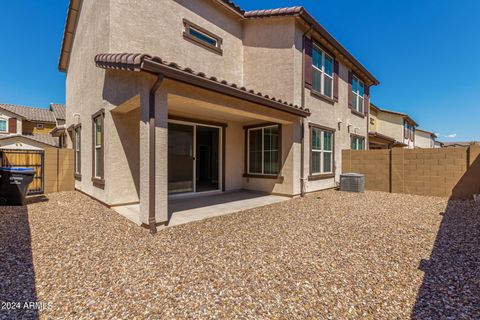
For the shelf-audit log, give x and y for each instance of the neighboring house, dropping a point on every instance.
(424, 139)
(207, 98)
(60, 128)
(389, 129)
(27, 127)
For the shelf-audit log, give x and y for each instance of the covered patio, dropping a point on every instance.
(182, 136)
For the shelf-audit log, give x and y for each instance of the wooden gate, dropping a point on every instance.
(26, 159)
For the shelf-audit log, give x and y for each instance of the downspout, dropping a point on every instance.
(302, 144)
(152, 223)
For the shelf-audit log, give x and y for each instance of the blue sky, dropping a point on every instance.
(425, 54)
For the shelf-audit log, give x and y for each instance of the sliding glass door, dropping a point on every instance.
(194, 153)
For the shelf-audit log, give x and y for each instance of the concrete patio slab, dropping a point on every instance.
(187, 209)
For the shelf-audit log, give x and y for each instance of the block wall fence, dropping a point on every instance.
(446, 172)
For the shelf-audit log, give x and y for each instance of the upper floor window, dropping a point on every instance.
(40, 126)
(3, 125)
(203, 37)
(322, 80)
(409, 130)
(358, 89)
(263, 150)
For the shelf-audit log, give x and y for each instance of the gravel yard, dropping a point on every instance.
(329, 255)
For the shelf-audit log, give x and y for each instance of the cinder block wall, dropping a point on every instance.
(436, 172)
(374, 164)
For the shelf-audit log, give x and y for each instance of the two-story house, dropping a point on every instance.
(389, 129)
(171, 99)
(29, 128)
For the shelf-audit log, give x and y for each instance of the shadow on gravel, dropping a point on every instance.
(17, 275)
(451, 284)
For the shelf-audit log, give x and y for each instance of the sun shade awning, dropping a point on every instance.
(144, 62)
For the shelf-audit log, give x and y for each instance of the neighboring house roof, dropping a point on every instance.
(42, 138)
(143, 62)
(58, 110)
(386, 138)
(404, 115)
(30, 113)
(301, 12)
(429, 132)
(459, 143)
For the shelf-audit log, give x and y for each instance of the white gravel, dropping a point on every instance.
(329, 255)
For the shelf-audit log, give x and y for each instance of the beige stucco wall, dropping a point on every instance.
(390, 125)
(424, 140)
(156, 28)
(269, 53)
(85, 82)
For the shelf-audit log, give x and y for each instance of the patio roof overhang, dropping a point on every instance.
(381, 138)
(58, 130)
(171, 70)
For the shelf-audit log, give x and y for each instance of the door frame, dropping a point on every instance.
(221, 157)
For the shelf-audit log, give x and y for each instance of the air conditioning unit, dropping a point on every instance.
(352, 182)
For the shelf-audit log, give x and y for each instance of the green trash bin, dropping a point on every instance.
(14, 184)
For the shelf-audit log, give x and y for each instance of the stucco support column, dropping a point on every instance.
(160, 156)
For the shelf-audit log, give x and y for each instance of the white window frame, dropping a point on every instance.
(6, 125)
(356, 95)
(321, 151)
(97, 147)
(78, 146)
(40, 126)
(323, 74)
(358, 139)
(263, 150)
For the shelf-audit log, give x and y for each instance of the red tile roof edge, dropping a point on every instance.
(134, 62)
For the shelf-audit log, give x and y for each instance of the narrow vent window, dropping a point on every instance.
(202, 37)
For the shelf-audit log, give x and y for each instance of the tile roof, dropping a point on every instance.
(73, 13)
(30, 113)
(135, 62)
(42, 138)
(58, 110)
(233, 6)
(273, 12)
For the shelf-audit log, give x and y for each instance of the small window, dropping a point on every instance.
(321, 147)
(78, 148)
(40, 126)
(200, 36)
(358, 143)
(3, 125)
(322, 80)
(263, 150)
(98, 148)
(358, 89)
